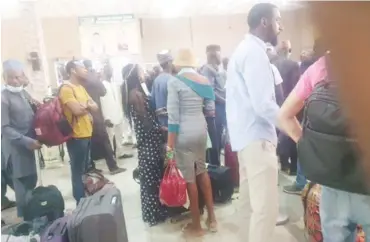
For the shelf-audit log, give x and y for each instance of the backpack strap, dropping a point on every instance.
(74, 118)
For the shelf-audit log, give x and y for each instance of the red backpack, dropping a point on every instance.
(51, 126)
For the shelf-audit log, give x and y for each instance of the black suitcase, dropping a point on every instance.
(99, 218)
(221, 182)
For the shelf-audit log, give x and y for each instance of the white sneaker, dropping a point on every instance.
(282, 219)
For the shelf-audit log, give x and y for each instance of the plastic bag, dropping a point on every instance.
(172, 191)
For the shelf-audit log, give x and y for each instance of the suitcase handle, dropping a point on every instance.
(99, 198)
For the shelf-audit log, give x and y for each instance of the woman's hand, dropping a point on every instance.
(170, 153)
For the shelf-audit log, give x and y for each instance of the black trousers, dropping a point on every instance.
(6, 180)
(287, 149)
(101, 146)
(213, 154)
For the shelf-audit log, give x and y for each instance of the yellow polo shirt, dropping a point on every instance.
(81, 125)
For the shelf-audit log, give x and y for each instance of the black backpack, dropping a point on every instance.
(326, 152)
(44, 201)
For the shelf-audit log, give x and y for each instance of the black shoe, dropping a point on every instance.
(293, 189)
(126, 156)
(7, 205)
(117, 170)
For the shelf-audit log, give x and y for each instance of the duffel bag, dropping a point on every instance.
(44, 201)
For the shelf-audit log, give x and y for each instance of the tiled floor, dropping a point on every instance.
(58, 175)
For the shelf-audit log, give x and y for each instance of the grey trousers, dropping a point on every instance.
(21, 186)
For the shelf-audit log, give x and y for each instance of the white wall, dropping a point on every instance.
(227, 31)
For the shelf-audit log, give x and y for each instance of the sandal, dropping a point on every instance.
(212, 226)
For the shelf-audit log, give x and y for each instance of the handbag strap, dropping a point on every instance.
(74, 118)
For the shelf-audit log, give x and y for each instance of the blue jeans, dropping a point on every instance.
(220, 121)
(301, 180)
(79, 154)
(340, 213)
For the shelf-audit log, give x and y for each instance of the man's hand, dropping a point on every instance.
(108, 123)
(91, 105)
(35, 145)
(83, 106)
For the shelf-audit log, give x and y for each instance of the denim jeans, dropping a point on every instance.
(79, 154)
(220, 121)
(340, 213)
(301, 180)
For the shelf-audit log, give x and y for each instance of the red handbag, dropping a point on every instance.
(94, 182)
(172, 190)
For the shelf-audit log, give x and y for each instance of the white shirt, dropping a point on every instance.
(251, 108)
(277, 76)
(111, 103)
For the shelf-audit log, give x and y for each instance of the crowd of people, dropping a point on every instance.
(255, 97)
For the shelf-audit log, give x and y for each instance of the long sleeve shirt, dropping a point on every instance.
(251, 108)
(111, 103)
(159, 97)
(217, 80)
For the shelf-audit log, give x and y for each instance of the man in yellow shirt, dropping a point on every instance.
(77, 105)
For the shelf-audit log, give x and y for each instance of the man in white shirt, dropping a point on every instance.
(117, 63)
(112, 112)
(251, 111)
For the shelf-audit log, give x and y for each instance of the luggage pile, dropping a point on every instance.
(97, 218)
(311, 204)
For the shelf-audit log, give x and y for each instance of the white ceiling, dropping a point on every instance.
(140, 8)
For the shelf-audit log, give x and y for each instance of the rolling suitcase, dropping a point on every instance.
(57, 231)
(221, 182)
(99, 218)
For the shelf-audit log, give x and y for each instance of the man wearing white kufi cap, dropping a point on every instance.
(18, 143)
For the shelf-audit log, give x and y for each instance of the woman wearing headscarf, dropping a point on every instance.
(191, 98)
(149, 142)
